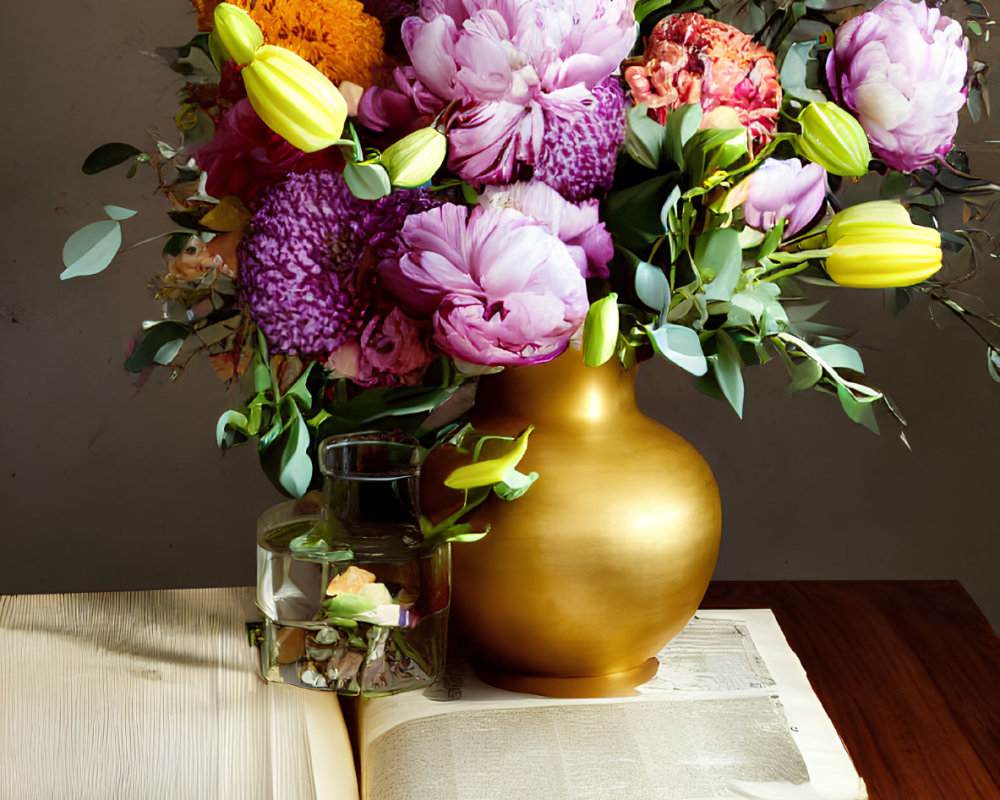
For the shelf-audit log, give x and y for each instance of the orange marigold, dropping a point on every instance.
(335, 36)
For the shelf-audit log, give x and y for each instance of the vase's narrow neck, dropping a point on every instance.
(562, 389)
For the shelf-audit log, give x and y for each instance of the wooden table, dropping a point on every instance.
(909, 672)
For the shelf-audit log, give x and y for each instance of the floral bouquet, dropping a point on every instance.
(376, 202)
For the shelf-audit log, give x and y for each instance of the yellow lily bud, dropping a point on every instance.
(294, 99)
(492, 470)
(834, 139)
(413, 160)
(875, 246)
(236, 34)
(866, 218)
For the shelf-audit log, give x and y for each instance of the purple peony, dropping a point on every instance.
(785, 190)
(517, 78)
(308, 271)
(499, 288)
(901, 68)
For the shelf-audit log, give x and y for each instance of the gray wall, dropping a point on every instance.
(110, 481)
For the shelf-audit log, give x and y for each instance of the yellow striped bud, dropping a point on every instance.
(875, 246)
(413, 160)
(834, 139)
(235, 33)
(294, 99)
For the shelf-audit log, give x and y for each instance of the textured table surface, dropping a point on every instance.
(154, 695)
(909, 672)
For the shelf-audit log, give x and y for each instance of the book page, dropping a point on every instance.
(729, 713)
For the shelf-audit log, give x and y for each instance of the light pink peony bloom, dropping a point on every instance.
(785, 190)
(576, 224)
(499, 288)
(692, 59)
(901, 68)
(510, 72)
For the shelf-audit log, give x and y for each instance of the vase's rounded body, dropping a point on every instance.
(586, 577)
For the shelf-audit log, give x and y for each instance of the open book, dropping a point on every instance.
(730, 713)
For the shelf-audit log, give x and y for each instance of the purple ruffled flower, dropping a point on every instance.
(309, 258)
(517, 75)
(579, 151)
(901, 67)
(499, 288)
(785, 190)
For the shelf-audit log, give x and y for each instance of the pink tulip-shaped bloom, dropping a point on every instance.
(519, 79)
(499, 288)
(692, 59)
(785, 190)
(901, 68)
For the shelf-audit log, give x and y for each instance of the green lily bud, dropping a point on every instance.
(294, 99)
(600, 331)
(834, 139)
(235, 33)
(413, 160)
(876, 246)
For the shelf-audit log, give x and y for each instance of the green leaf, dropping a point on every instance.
(119, 213)
(514, 484)
(367, 181)
(894, 184)
(858, 410)
(346, 604)
(295, 468)
(600, 331)
(795, 71)
(719, 250)
(643, 137)
(993, 363)
(168, 352)
(231, 424)
(152, 342)
(91, 249)
(633, 214)
(804, 375)
(680, 345)
(107, 156)
(841, 356)
(668, 206)
(682, 124)
(643, 8)
(728, 368)
(300, 391)
(652, 286)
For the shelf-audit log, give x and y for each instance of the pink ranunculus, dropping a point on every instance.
(901, 68)
(576, 224)
(785, 190)
(510, 72)
(692, 59)
(499, 288)
(245, 155)
(393, 351)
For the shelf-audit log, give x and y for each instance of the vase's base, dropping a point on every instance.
(615, 684)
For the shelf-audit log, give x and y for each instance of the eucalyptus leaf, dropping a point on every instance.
(652, 286)
(300, 391)
(680, 345)
(118, 213)
(860, 411)
(719, 250)
(153, 340)
(728, 368)
(109, 155)
(794, 73)
(993, 363)
(841, 356)
(804, 375)
(168, 352)
(91, 249)
(682, 124)
(295, 468)
(643, 137)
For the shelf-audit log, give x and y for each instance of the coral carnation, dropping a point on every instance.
(692, 59)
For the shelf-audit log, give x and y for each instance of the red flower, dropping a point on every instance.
(692, 59)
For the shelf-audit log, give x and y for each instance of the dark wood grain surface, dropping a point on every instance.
(909, 672)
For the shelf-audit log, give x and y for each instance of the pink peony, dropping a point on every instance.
(785, 190)
(692, 59)
(510, 73)
(245, 155)
(901, 68)
(576, 224)
(498, 286)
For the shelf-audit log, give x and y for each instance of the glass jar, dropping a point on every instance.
(353, 600)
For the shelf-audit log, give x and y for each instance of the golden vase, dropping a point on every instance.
(584, 579)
